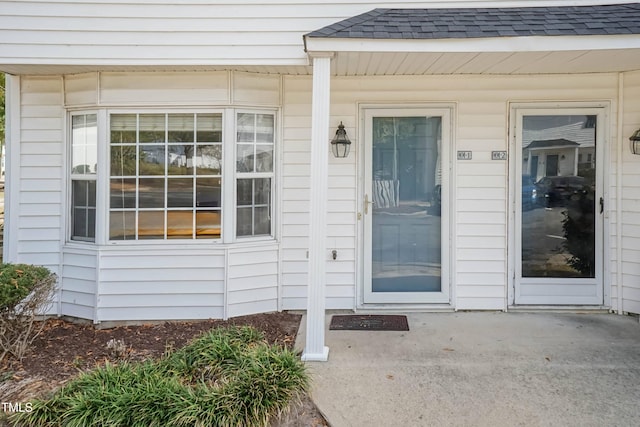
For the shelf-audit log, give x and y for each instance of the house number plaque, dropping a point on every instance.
(498, 155)
(464, 155)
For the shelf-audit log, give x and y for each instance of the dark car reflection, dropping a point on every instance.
(558, 190)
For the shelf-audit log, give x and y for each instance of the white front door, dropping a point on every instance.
(405, 197)
(558, 206)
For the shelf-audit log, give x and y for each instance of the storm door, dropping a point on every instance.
(559, 206)
(405, 204)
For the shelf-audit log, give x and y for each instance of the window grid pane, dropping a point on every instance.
(83, 210)
(84, 144)
(254, 142)
(253, 212)
(154, 192)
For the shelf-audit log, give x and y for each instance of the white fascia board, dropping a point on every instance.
(97, 62)
(20, 66)
(488, 44)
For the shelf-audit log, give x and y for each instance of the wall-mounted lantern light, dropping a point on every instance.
(340, 144)
(635, 142)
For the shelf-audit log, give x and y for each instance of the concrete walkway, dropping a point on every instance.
(483, 369)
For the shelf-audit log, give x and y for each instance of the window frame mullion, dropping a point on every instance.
(228, 184)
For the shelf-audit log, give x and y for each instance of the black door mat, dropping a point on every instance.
(369, 322)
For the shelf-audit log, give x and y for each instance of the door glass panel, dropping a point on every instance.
(406, 183)
(558, 196)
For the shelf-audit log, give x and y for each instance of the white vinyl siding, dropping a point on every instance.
(78, 295)
(40, 208)
(630, 215)
(252, 280)
(295, 188)
(167, 34)
(481, 215)
(181, 283)
(146, 88)
(161, 283)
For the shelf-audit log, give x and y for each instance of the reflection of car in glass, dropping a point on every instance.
(557, 190)
(529, 193)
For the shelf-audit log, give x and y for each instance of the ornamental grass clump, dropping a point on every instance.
(26, 292)
(227, 377)
(207, 356)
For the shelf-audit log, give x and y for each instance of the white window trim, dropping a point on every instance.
(70, 178)
(253, 175)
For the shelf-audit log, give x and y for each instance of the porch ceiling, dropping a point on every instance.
(539, 62)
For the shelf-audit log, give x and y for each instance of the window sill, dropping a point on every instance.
(217, 243)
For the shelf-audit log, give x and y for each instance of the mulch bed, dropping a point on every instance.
(64, 349)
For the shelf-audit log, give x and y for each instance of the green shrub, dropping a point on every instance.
(227, 377)
(25, 293)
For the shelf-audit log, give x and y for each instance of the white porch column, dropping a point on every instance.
(315, 350)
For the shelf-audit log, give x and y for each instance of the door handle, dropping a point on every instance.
(367, 203)
(601, 204)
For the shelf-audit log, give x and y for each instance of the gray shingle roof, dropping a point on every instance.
(488, 22)
(552, 143)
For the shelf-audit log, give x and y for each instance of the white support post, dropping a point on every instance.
(315, 350)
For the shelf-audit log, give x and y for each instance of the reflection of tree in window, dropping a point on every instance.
(209, 159)
(123, 160)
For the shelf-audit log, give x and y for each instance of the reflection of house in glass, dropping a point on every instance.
(207, 157)
(558, 156)
(180, 160)
(207, 162)
(152, 154)
(558, 149)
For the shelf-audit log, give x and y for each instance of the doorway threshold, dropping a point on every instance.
(590, 309)
(386, 308)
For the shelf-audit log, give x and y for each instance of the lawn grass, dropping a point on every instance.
(227, 377)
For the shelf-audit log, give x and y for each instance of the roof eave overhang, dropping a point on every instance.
(489, 44)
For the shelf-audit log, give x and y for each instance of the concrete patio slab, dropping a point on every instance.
(483, 369)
